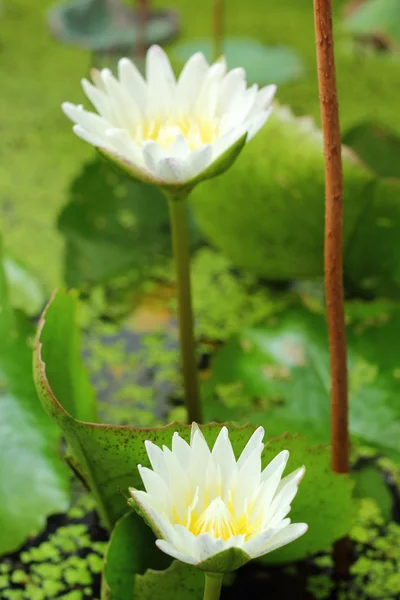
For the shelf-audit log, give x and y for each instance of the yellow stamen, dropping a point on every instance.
(195, 131)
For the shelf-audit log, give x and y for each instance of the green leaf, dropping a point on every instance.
(131, 551)
(106, 455)
(324, 500)
(113, 226)
(376, 17)
(283, 371)
(71, 384)
(25, 290)
(178, 582)
(263, 64)
(106, 25)
(377, 145)
(272, 201)
(34, 481)
(370, 483)
(371, 254)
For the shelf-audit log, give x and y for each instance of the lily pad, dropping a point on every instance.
(131, 551)
(34, 480)
(283, 371)
(114, 226)
(377, 145)
(109, 25)
(272, 201)
(263, 64)
(370, 483)
(178, 582)
(107, 456)
(376, 17)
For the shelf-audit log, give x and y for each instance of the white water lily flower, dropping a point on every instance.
(209, 510)
(171, 133)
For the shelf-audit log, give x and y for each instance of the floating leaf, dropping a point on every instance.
(377, 145)
(376, 17)
(267, 213)
(370, 483)
(263, 64)
(113, 226)
(108, 455)
(371, 256)
(178, 582)
(109, 25)
(34, 481)
(283, 371)
(324, 500)
(131, 551)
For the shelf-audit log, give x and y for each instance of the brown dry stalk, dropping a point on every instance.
(333, 233)
(333, 250)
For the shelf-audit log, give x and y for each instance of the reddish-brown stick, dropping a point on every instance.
(333, 250)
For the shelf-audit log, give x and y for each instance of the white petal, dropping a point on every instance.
(257, 543)
(152, 154)
(232, 84)
(153, 512)
(247, 481)
(88, 120)
(157, 459)
(87, 136)
(157, 488)
(254, 442)
(277, 463)
(132, 80)
(224, 458)
(160, 79)
(167, 548)
(97, 79)
(283, 537)
(227, 141)
(199, 160)
(125, 146)
(181, 449)
(179, 148)
(124, 112)
(264, 98)
(258, 123)
(191, 81)
(97, 98)
(172, 170)
(206, 546)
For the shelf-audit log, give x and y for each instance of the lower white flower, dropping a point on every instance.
(209, 510)
(171, 132)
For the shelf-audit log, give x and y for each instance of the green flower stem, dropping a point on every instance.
(180, 243)
(213, 585)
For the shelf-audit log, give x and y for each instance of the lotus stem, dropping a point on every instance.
(213, 585)
(218, 28)
(180, 244)
(333, 249)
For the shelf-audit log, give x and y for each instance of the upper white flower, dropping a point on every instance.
(209, 510)
(170, 132)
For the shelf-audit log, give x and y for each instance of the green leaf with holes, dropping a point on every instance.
(105, 456)
(34, 480)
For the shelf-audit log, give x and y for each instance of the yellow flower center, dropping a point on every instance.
(219, 520)
(196, 132)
